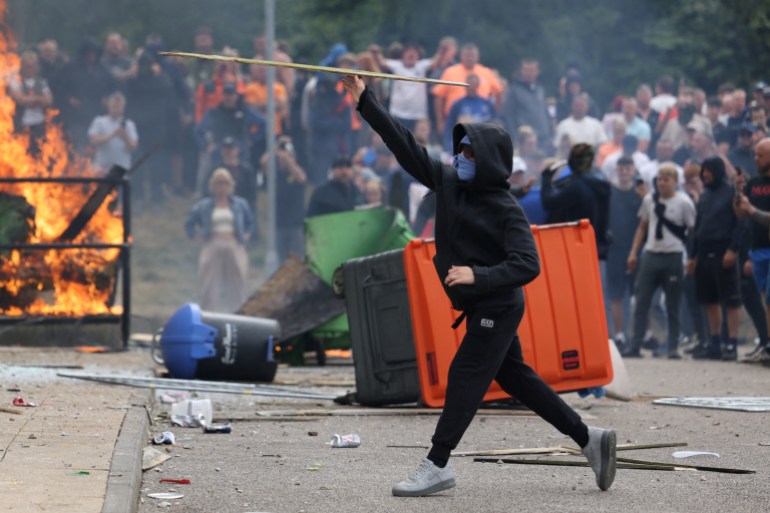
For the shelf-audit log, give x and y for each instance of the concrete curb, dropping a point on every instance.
(125, 477)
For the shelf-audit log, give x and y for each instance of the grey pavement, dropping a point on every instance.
(57, 456)
(272, 465)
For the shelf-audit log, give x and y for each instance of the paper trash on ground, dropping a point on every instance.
(690, 454)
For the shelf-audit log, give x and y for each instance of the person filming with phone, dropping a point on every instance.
(113, 136)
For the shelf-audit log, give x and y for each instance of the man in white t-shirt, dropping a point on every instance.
(409, 100)
(665, 218)
(664, 152)
(579, 127)
(629, 149)
(664, 98)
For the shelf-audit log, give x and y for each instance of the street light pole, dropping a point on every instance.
(271, 255)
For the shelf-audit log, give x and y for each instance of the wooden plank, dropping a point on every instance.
(561, 449)
(376, 412)
(310, 67)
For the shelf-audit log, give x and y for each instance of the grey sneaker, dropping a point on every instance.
(600, 453)
(425, 480)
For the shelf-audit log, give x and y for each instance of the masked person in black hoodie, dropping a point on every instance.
(485, 254)
(714, 260)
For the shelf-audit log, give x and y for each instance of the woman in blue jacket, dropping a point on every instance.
(223, 223)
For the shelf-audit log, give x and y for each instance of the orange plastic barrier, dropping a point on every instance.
(564, 330)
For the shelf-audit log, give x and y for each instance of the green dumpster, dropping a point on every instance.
(332, 239)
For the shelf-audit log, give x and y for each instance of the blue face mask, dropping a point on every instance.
(466, 168)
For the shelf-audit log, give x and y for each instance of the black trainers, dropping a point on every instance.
(729, 353)
(694, 348)
(660, 351)
(631, 353)
(650, 343)
(707, 353)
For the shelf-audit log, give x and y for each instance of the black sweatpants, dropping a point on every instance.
(491, 350)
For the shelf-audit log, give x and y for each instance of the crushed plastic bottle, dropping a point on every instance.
(191, 413)
(340, 441)
(164, 438)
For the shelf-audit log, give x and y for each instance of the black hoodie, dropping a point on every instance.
(717, 228)
(478, 224)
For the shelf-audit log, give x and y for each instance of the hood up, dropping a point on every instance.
(493, 149)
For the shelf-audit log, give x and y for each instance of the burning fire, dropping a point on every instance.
(71, 282)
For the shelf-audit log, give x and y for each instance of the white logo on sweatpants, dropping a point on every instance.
(487, 323)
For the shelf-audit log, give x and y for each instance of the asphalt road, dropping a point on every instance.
(277, 466)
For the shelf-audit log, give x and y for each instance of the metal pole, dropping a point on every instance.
(271, 256)
(125, 324)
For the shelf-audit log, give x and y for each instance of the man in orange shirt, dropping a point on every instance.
(255, 94)
(445, 95)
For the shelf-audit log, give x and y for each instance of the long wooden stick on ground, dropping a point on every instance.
(310, 67)
(625, 463)
(562, 449)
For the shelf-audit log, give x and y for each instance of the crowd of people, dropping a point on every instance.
(659, 172)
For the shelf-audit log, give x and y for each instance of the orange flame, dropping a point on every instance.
(72, 282)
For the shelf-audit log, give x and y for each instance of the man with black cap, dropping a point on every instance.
(759, 88)
(339, 193)
(742, 154)
(232, 119)
(241, 171)
(485, 254)
(713, 260)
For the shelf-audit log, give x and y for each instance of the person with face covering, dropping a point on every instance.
(485, 254)
(714, 260)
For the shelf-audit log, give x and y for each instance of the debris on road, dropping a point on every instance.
(751, 404)
(191, 413)
(190, 385)
(379, 412)
(345, 441)
(690, 454)
(152, 457)
(561, 450)
(175, 481)
(218, 428)
(19, 401)
(165, 495)
(164, 438)
(624, 463)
